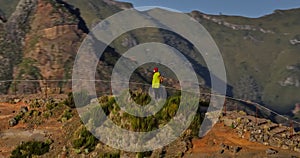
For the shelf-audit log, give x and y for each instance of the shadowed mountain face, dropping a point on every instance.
(261, 55)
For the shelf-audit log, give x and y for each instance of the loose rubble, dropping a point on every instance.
(262, 131)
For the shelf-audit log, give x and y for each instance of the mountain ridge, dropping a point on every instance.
(258, 52)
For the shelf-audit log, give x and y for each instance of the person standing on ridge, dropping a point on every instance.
(156, 80)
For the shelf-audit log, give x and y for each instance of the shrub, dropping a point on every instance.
(51, 104)
(35, 104)
(70, 101)
(103, 99)
(31, 148)
(109, 155)
(67, 114)
(108, 106)
(19, 117)
(140, 98)
(80, 98)
(84, 140)
(47, 114)
(143, 124)
(36, 113)
(195, 125)
(143, 154)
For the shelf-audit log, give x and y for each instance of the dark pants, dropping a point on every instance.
(156, 93)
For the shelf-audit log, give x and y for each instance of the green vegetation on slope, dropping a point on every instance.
(93, 117)
(30, 149)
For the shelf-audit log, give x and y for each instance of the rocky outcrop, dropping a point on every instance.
(290, 81)
(18, 23)
(75, 12)
(232, 149)
(58, 31)
(262, 131)
(50, 46)
(198, 16)
(13, 34)
(295, 41)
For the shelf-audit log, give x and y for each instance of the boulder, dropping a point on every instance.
(224, 146)
(266, 137)
(271, 151)
(274, 142)
(266, 143)
(94, 100)
(17, 100)
(252, 138)
(221, 151)
(236, 149)
(228, 122)
(12, 122)
(297, 149)
(24, 109)
(285, 147)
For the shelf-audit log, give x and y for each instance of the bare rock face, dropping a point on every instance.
(12, 34)
(50, 47)
(18, 23)
(39, 41)
(58, 31)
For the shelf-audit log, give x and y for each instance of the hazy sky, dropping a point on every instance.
(248, 8)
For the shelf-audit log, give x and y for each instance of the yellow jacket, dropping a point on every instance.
(156, 80)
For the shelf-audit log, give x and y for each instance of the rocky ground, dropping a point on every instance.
(234, 135)
(223, 141)
(58, 130)
(25, 131)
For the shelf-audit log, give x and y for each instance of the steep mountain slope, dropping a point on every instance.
(93, 11)
(12, 34)
(50, 45)
(45, 36)
(260, 54)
